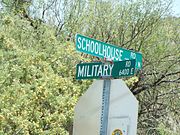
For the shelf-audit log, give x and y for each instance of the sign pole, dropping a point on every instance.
(105, 106)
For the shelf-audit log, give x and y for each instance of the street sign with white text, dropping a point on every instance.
(99, 70)
(104, 50)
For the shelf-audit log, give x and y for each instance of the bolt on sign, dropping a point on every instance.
(103, 50)
(98, 70)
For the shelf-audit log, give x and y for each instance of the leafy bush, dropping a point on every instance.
(37, 85)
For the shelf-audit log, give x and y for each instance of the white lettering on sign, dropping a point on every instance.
(105, 70)
(95, 70)
(101, 49)
(88, 74)
(133, 55)
(100, 71)
(81, 71)
(132, 70)
(111, 67)
(96, 67)
(124, 72)
(96, 48)
(128, 63)
(79, 43)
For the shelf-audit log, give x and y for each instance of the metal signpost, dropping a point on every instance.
(105, 106)
(124, 64)
(104, 50)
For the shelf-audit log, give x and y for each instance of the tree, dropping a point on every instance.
(159, 90)
(37, 85)
(38, 62)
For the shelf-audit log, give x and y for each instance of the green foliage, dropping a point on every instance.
(159, 101)
(37, 62)
(131, 81)
(37, 85)
(164, 130)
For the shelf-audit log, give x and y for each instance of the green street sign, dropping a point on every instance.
(103, 50)
(100, 70)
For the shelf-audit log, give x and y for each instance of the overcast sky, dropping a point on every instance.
(176, 7)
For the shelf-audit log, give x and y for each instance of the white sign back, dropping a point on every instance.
(123, 110)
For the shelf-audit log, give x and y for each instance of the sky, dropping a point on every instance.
(176, 7)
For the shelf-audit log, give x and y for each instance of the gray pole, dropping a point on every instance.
(105, 106)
